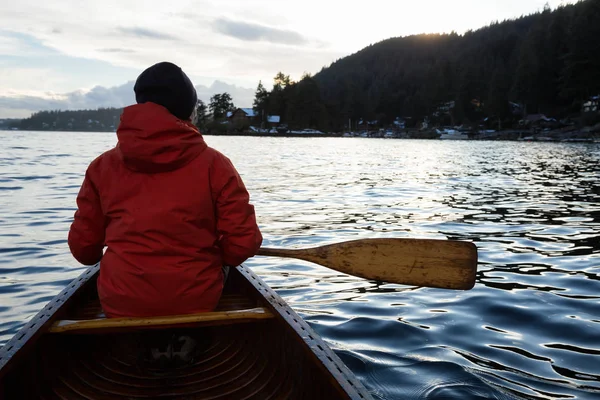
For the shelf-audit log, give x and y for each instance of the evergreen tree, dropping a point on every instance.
(201, 114)
(282, 80)
(582, 65)
(261, 99)
(220, 104)
(497, 104)
(305, 108)
(279, 96)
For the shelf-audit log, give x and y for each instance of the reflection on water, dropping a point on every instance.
(529, 329)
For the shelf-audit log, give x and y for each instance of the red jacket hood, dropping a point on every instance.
(151, 139)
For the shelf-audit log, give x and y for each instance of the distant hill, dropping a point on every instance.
(102, 119)
(547, 62)
(9, 123)
(544, 63)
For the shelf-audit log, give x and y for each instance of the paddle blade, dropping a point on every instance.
(435, 263)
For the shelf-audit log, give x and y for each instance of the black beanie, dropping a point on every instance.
(166, 84)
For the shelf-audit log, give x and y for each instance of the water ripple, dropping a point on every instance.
(529, 328)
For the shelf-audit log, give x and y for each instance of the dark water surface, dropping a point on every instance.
(530, 328)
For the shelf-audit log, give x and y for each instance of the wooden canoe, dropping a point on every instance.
(255, 347)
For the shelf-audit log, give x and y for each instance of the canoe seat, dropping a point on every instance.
(89, 318)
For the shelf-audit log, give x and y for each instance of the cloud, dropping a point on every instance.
(146, 33)
(242, 97)
(22, 105)
(99, 96)
(103, 48)
(49, 66)
(116, 50)
(21, 45)
(255, 32)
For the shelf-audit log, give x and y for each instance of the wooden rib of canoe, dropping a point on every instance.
(254, 347)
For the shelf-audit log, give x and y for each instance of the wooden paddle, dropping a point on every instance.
(447, 264)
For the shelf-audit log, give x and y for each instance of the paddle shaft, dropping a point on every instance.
(447, 264)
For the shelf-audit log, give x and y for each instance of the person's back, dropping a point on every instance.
(171, 210)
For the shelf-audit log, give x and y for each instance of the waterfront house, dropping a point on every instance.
(592, 105)
(241, 116)
(247, 117)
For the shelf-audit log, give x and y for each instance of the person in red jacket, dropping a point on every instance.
(170, 210)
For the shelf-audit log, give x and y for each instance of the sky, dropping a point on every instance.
(76, 54)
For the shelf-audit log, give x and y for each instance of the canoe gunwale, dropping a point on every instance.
(316, 346)
(25, 339)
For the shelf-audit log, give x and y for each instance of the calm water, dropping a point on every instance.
(529, 329)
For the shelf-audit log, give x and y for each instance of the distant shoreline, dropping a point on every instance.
(579, 135)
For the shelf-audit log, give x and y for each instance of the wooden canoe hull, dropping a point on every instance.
(274, 356)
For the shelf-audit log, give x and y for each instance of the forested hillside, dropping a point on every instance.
(548, 62)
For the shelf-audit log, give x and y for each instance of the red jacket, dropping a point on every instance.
(171, 212)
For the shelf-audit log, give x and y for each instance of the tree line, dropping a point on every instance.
(101, 119)
(107, 119)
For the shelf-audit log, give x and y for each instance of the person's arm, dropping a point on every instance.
(86, 236)
(239, 235)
